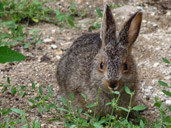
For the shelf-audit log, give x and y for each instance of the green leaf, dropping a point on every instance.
(169, 107)
(64, 101)
(83, 95)
(142, 124)
(8, 80)
(80, 110)
(166, 92)
(23, 120)
(157, 103)
(5, 87)
(91, 105)
(124, 122)
(95, 26)
(109, 103)
(168, 119)
(127, 90)
(97, 125)
(5, 112)
(21, 112)
(35, 20)
(40, 109)
(163, 83)
(23, 95)
(4, 35)
(61, 17)
(27, 45)
(19, 38)
(40, 90)
(46, 97)
(103, 120)
(72, 7)
(139, 108)
(1, 6)
(70, 21)
(57, 12)
(36, 124)
(39, 42)
(116, 92)
(165, 60)
(33, 86)
(13, 90)
(52, 106)
(99, 12)
(72, 96)
(73, 126)
(7, 123)
(8, 55)
(123, 109)
(62, 109)
(50, 90)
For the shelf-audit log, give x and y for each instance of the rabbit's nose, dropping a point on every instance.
(114, 85)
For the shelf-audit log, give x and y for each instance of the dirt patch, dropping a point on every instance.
(154, 42)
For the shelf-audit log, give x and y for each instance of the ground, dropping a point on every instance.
(154, 42)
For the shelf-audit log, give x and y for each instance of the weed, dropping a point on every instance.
(29, 11)
(165, 119)
(66, 17)
(64, 111)
(13, 13)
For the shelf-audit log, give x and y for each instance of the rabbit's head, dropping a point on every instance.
(113, 63)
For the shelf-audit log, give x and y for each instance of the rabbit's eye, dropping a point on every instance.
(101, 65)
(125, 67)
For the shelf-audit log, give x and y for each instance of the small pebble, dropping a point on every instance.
(139, 8)
(155, 64)
(53, 46)
(58, 57)
(158, 48)
(168, 102)
(147, 90)
(144, 21)
(168, 13)
(150, 87)
(53, 31)
(47, 40)
(155, 25)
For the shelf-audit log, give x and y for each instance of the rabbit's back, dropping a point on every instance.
(78, 62)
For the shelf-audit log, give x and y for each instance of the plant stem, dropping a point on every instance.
(97, 100)
(129, 107)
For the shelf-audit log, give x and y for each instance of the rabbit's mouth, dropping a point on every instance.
(114, 85)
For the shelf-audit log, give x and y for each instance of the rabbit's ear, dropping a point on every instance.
(131, 29)
(108, 27)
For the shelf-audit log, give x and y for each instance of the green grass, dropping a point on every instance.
(17, 15)
(15, 18)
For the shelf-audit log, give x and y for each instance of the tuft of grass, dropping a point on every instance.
(24, 11)
(14, 13)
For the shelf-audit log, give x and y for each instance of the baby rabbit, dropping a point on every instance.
(100, 60)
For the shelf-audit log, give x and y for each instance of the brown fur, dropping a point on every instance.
(78, 70)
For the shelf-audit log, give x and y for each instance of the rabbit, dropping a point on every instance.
(100, 60)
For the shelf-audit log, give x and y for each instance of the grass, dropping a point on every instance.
(16, 15)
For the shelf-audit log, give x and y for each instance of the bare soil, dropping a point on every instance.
(154, 42)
